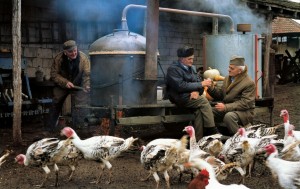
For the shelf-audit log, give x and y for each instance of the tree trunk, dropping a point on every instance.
(17, 82)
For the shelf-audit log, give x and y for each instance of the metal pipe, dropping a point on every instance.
(204, 53)
(256, 64)
(78, 88)
(195, 13)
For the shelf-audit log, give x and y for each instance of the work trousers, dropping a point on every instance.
(77, 98)
(227, 122)
(203, 115)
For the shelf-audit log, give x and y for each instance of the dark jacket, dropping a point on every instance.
(79, 74)
(181, 82)
(238, 96)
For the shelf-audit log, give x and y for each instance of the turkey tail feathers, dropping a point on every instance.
(127, 143)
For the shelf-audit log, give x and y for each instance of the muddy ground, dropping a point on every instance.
(127, 169)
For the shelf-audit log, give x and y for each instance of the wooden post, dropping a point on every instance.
(17, 82)
(151, 39)
(268, 41)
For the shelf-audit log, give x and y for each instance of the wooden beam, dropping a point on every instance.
(268, 42)
(151, 39)
(17, 82)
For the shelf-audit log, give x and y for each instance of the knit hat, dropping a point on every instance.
(237, 60)
(185, 52)
(69, 45)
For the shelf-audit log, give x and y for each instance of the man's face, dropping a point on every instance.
(72, 54)
(188, 61)
(233, 70)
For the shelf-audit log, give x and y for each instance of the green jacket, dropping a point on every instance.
(238, 96)
(80, 75)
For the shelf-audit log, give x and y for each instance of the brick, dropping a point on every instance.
(44, 53)
(30, 52)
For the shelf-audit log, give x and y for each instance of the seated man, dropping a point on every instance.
(236, 98)
(184, 88)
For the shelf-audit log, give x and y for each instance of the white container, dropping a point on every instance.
(159, 93)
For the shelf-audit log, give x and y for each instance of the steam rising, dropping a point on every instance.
(239, 11)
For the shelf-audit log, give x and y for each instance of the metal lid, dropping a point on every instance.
(119, 42)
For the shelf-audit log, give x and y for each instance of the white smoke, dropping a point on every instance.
(240, 13)
(237, 10)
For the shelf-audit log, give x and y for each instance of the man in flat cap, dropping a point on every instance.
(70, 68)
(184, 88)
(236, 98)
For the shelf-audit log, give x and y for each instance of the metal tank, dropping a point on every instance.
(219, 48)
(117, 70)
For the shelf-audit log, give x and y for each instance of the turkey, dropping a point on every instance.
(287, 126)
(265, 131)
(160, 155)
(4, 156)
(196, 152)
(291, 150)
(211, 144)
(287, 172)
(213, 183)
(99, 148)
(241, 151)
(49, 151)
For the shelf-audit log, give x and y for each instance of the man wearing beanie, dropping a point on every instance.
(235, 99)
(184, 88)
(70, 68)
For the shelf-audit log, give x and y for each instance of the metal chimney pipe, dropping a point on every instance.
(195, 13)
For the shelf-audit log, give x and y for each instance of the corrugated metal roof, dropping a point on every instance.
(285, 25)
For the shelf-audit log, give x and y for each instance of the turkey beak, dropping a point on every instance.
(281, 114)
(260, 151)
(61, 133)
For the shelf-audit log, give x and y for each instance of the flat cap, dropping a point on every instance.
(69, 45)
(237, 60)
(185, 51)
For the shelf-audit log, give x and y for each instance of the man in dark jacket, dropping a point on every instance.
(70, 68)
(184, 88)
(236, 97)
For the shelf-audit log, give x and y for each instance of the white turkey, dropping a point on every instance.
(4, 156)
(160, 155)
(100, 148)
(287, 126)
(291, 150)
(241, 151)
(287, 172)
(213, 183)
(262, 131)
(50, 151)
(211, 144)
(195, 152)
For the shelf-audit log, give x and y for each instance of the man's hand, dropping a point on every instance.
(206, 82)
(220, 107)
(194, 95)
(69, 85)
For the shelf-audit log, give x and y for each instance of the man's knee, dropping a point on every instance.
(230, 117)
(231, 120)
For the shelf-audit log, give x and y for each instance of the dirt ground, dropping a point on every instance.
(127, 170)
